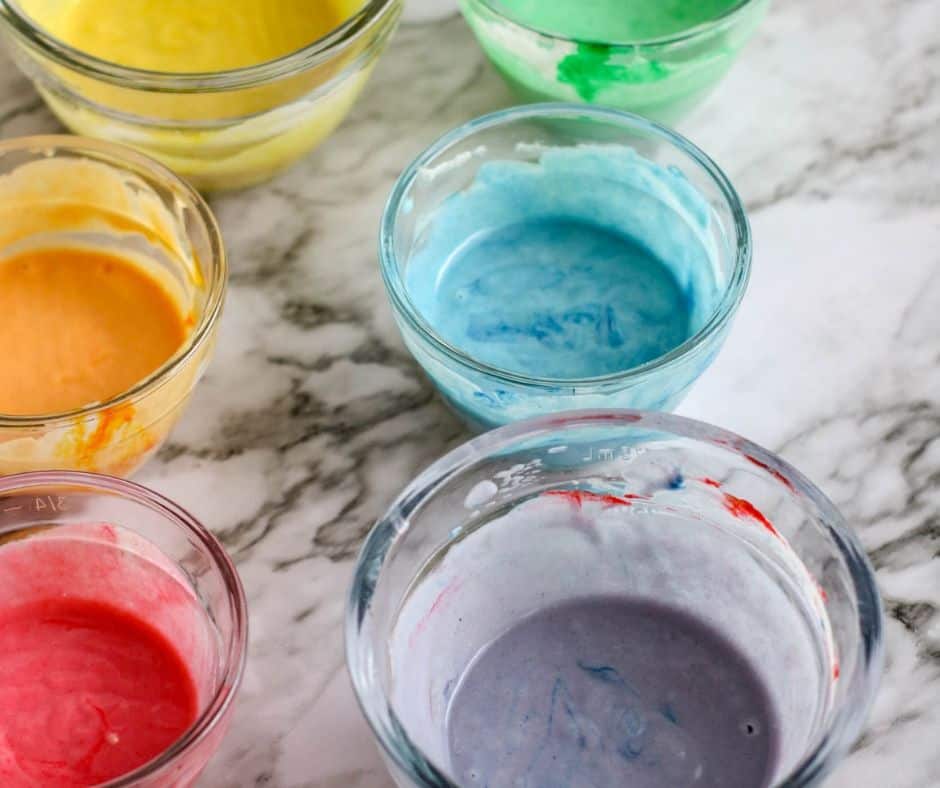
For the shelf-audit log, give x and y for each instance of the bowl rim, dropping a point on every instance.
(395, 742)
(233, 659)
(727, 18)
(127, 159)
(310, 55)
(721, 315)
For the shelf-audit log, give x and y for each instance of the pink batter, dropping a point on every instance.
(87, 693)
(98, 645)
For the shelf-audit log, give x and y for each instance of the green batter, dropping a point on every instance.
(615, 21)
(630, 54)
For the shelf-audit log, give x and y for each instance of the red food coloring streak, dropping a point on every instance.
(442, 598)
(772, 471)
(742, 508)
(629, 418)
(711, 482)
(822, 593)
(836, 672)
(632, 418)
(578, 497)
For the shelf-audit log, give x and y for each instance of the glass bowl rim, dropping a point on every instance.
(127, 159)
(388, 529)
(308, 56)
(233, 659)
(727, 18)
(721, 315)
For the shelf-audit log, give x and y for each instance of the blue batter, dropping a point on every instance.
(587, 301)
(587, 263)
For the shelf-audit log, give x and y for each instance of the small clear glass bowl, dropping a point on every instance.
(220, 130)
(112, 514)
(485, 396)
(70, 191)
(662, 78)
(711, 524)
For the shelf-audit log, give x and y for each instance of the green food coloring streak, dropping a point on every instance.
(589, 71)
(600, 25)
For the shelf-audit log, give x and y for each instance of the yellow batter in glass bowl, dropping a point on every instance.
(225, 92)
(70, 201)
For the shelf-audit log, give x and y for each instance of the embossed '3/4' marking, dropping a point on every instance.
(623, 454)
(39, 503)
(55, 503)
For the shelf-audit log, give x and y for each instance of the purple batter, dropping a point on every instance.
(611, 691)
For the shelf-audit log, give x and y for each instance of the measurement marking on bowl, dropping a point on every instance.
(625, 454)
(56, 503)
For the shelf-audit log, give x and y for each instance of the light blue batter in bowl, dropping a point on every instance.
(558, 257)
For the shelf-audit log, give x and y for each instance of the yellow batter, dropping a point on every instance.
(217, 138)
(179, 36)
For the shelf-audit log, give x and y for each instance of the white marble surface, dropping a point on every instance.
(427, 10)
(312, 416)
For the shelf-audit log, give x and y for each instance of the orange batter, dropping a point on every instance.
(79, 326)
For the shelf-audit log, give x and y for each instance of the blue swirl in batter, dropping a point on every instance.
(590, 262)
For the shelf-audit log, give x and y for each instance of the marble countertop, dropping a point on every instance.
(312, 416)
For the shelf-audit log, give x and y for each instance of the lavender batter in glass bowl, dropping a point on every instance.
(613, 598)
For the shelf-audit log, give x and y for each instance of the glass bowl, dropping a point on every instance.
(646, 504)
(60, 190)
(661, 78)
(220, 130)
(99, 515)
(677, 186)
